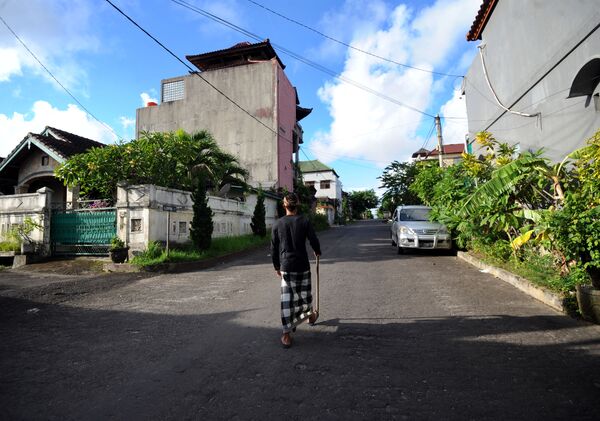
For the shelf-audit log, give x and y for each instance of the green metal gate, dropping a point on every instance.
(82, 232)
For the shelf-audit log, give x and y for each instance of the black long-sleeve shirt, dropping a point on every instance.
(288, 243)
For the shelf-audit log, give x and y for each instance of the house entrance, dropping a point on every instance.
(82, 231)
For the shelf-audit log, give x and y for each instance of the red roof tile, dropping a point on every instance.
(452, 148)
(485, 11)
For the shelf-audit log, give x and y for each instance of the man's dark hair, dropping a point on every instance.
(292, 201)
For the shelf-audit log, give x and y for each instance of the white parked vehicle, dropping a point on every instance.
(412, 229)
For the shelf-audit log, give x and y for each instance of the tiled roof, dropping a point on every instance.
(452, 148)
(66, 144)
(240, 54)
(485, 11)
(62, 144)
(420, 152)
(313, 166)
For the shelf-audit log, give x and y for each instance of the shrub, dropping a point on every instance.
(202, 223)
(318, 221)
(258, 224)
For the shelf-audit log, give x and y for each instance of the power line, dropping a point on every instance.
(300, 58)
(349, 45)
(56, 80)
(194, 72)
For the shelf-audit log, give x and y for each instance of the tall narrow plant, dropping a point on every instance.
(202, 223)
(258, 224)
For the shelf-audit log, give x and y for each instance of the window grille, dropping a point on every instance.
(172, 91)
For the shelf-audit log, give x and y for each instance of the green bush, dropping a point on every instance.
(318, 221)
(10, 245)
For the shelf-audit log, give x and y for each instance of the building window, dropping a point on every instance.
(325, 184)
(309, 184)
(136, 225)
(172, 91)
(182, 227)
(45, 160)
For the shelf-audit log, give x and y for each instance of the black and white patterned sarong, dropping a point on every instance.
(296, 299)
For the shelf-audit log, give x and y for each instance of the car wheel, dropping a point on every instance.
(399, 250)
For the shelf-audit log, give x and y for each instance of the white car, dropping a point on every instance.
(412, 229)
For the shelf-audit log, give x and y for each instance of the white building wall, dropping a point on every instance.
(141, 217)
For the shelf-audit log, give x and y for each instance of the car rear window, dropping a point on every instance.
(414, 215)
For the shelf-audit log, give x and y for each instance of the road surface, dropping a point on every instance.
(417, 336)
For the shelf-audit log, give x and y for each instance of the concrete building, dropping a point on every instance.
(542, 60)
(327, 185)
(258, 123)
(452, 154)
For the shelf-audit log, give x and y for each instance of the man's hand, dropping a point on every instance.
(278, 272)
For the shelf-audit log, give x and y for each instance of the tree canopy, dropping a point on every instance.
(172, 159)
(361, 201)
(396, 179)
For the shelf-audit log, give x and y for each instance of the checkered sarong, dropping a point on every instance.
(296, 299)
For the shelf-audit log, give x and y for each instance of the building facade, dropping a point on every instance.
(327, 185)
(242, 96)
(542, 61)
(31, 164)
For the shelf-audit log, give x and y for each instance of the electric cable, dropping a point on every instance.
(194, 72)
(300, 58)
(106, 126)
(350, 45)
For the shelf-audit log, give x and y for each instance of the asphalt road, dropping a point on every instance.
(418, 336)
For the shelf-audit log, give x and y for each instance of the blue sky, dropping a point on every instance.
(112, 68)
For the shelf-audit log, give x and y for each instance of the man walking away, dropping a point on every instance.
(290, 259)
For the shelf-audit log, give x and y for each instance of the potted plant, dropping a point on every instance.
(119, 253)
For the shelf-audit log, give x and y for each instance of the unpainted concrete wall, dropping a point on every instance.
(254, 88)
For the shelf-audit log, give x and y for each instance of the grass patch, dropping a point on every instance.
(10, 246)
(155, 254)
(540, 269)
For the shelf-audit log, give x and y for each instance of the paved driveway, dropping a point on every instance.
(419, 336)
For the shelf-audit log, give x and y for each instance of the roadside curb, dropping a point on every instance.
(179, 267)
(550, 298)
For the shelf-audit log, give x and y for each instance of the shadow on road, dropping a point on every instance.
(64, 362)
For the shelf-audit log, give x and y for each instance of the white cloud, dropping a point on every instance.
(454, 129)
(40, 24)
(127, 122)
(424, 39)
(72, 119)
(146, 98)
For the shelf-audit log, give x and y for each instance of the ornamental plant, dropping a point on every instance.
(202, 224)
(258, 224)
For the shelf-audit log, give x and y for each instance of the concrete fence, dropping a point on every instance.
(15, 208)
(147, 213)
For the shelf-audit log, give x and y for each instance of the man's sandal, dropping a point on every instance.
(313, 318)
(286, 340)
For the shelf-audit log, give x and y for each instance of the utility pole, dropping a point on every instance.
(438, 127)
